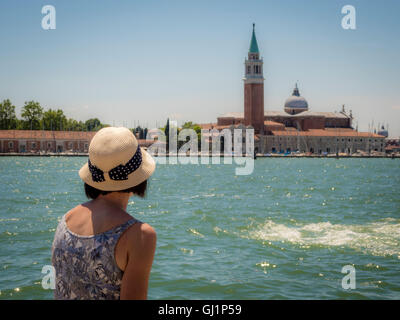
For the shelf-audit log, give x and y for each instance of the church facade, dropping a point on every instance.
(295, 128)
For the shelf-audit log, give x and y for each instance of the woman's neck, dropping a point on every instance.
(115, 199)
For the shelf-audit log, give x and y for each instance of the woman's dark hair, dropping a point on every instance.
(93, 193)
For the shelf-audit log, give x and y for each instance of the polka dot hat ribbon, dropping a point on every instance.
(120, 172)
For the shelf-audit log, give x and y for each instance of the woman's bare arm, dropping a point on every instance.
(141, 246)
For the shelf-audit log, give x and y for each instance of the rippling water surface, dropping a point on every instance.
(284, 232)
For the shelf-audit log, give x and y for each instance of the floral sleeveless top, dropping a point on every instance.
(85, 266)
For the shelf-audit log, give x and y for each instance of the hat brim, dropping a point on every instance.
(141, 174)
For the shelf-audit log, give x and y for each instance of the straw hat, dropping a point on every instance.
(116, 162)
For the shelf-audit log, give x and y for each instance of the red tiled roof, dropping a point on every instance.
(209, 126)
(391, 147)
(273, 123)
(345, 132)
(46, 135)
(341, 129)
(55, 135)
(147, 143)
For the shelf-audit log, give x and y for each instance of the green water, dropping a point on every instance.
(284, 232)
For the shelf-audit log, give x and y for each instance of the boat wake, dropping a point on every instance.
(379, 238)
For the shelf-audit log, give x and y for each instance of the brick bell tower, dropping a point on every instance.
(254, 88)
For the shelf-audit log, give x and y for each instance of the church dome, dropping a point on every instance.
(295, 103)
(383, 132)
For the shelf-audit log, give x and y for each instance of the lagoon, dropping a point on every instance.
(283, 232)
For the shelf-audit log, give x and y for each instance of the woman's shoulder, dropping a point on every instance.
(138, 240)
(142, 230)
(77, 209)
(141, 234)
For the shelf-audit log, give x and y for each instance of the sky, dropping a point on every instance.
(129, 62)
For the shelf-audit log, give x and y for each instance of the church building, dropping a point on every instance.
(296, 128)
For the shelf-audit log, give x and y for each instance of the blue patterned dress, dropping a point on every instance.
(85, 266)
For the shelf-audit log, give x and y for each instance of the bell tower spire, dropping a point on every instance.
(253, 44)
(254, 87)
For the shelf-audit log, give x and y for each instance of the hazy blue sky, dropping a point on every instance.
(149, 60)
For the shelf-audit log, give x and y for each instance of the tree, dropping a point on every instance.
(188, 125)
(94, 124)
(139, 132)
(35, 118)
(8, 119)
(195, 127)
(54, 120)
(32, 113)
(74, 125)
(166, 131)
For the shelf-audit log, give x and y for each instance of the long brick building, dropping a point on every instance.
(36, 141)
